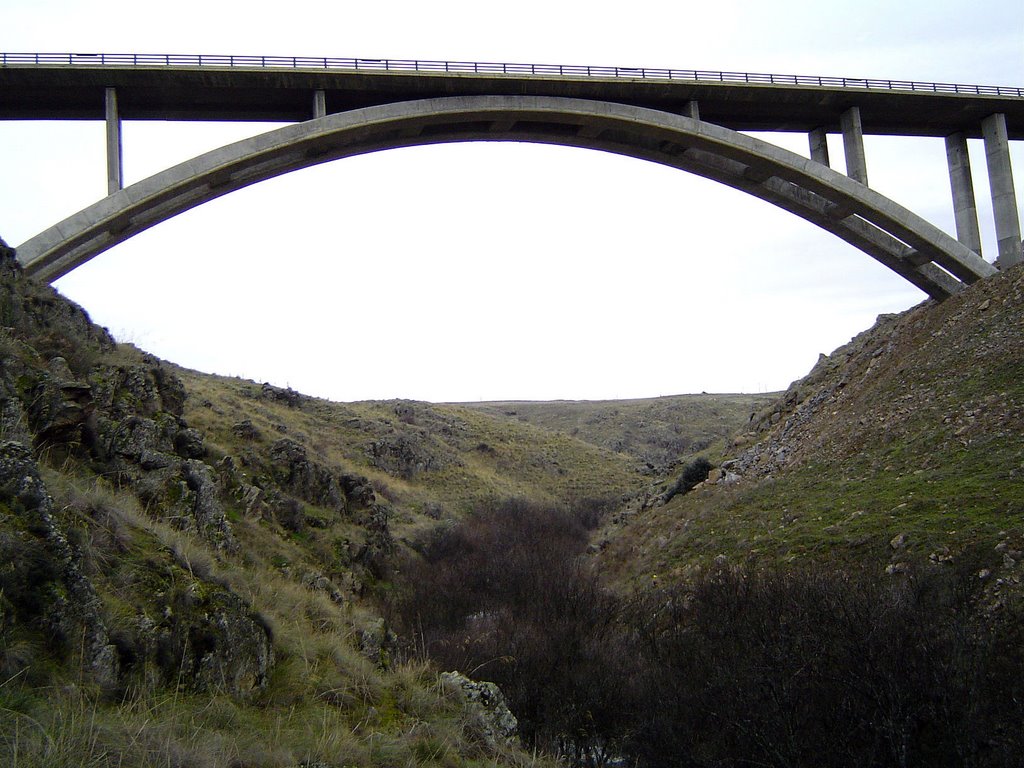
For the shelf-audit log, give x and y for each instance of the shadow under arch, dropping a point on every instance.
(912, 247)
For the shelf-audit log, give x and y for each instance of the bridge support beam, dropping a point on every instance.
(115, 177)
(319, 104)
(691, 109)
(1004, 199)
(853, 145)
(965, 208)
(818, 139)
(920, 252)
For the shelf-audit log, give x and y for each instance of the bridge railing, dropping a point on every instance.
(492, 68)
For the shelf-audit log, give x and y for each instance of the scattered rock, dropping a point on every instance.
(202, 502)
(60, 411)
(407, 455)
(497, 725)
(190, 444)
(184, 492)
(320, 583)
(378, 643)
(138, 390)
(246, 430)
(358, 490)
(288, 396)
(252, 498)
(297, 473)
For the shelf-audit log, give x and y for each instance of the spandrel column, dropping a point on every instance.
(115, 179)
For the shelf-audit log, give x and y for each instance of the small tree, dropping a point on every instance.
(696, 472)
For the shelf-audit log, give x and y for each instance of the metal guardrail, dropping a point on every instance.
(492, 68)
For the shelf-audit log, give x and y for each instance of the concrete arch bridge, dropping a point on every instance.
(691, 120)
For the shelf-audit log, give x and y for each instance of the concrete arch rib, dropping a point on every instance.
(904, 242)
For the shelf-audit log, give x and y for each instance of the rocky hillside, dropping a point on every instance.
(428, 462)
(189, 564)
(904, 446)
(185, 575)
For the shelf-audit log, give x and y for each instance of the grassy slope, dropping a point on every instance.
(661, 431)
(475, 455)
(327, 702)
(914, 430)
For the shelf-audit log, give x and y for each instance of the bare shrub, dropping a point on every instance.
(738, 667)
(821, 668)
(695, 473)
(503, 597)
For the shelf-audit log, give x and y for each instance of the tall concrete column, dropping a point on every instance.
(1004, 198)
(319, 104)
(819, 145)
(965, 209)
(115, 178)
(853, 145)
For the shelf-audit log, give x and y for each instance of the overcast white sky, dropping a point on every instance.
(497, 271)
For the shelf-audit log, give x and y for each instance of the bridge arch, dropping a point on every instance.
(917, 250)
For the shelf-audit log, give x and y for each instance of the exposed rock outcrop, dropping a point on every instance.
(41, 579)
(203, 636)
(56, 326)
(294, 471)
(408, 454)
(378, 643)
(288, 396)
(211, 638)
(61, 397)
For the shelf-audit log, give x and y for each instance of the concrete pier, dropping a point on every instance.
(319, 103)
(818, 139)
(853, 145)
(1004, 198)
(965, 209)
(115, 177)
(692, 109)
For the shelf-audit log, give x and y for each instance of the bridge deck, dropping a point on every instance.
(72, 86)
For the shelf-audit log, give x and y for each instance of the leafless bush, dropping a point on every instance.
(738, 667)
(827, 669)
(503, 597)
